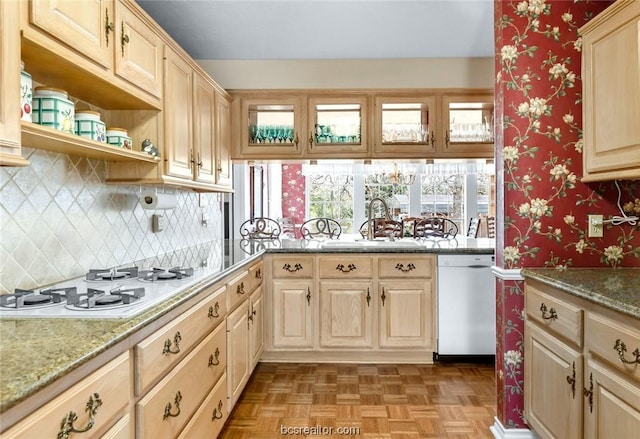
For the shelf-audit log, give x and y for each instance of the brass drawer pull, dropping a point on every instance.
(167, 408)
(346, 269)
(124, 38)
(402, 268)
(259, 273)
(383, 297)
(290, 269)
(621, 348)
(66, 427)
(240, 289)
(213, 311)
(552, 313)
(572, 380)
(308, 296)
(214, 357)
(176, 341)
(589, 393)
(368, 297)
(217, 412)
(108, 26)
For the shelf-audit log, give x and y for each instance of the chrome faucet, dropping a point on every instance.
(370, 225)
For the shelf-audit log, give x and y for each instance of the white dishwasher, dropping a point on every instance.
(466, 307)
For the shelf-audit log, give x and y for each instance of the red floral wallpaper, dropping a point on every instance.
(293, 193)
(541, 201)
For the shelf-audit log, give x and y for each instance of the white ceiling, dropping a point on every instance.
(327, 29)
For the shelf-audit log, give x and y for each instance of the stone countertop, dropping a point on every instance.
(615, 288)
(35, 352)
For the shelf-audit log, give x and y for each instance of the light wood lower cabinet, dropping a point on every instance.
(239, 363)
(94, 403)
(582, 370)
(256, 317)
(346, 307)
(211, 416)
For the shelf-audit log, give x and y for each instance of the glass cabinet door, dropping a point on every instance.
(337, 125)
(468, 125)
(271, 127)
(405, 125)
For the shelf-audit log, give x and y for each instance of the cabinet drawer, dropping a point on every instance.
(297, 267)
(211, 416)
(256, 273)
(345, 266)
(615, 343)
(238, 289)
(110, 385)
(557, 316)
(167, 407)
(159, 352)
(405, 267)
(121, 430)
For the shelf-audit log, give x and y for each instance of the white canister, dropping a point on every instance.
(89, 125)
(26, 98)
(53, 109)
(119, 137)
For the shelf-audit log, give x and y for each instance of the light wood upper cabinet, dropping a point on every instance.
(10, 151)
(467, 126)
(405, 125)
(223, 169)
(337, 126)
(611, 92)
(204, 130)
(269, 126)
(89, 27)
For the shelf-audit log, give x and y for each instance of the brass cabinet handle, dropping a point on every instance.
(167, 408)
(219, 169)
(290, 269)
(259, 273)
(295, 141)
(433, 138)
(552, 313)
(572, 380)
(349, 268)
(308, 296)
(213, 358)
(217, 412)
(383, 296)
(199, 160)
(213, 311)
(176, 341)
(240, 289)
(589, 393)
(621, 348)
(250, 315)
(446, 138)
(368, 297)
(108, 26)
(402, 268)
(66, 427)
(124, 38)
(310, 140)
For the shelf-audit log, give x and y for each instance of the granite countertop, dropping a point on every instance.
(35, 352)
(615, 288)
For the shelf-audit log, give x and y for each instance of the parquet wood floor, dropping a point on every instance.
(452, 401)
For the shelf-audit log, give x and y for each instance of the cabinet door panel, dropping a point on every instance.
(204, 131)
(346, 314)
(223, 141)
(80, 25)
(293, 321)
(615, 412)
(338, 126)
(553, 406)
(271, 127)
(239, 357)
(257, 322)
(178, 118)
(406, 314)
(467, 126)
(139, 58)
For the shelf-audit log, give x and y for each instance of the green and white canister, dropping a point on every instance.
(26, 98)
(119, 137)
(89, 125)
(52, 108)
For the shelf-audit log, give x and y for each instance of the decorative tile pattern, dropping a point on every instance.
(58, 219)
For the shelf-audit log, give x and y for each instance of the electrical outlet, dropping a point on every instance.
(595, 226)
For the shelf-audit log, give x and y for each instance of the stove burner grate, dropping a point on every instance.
(161, 274)
(23, 299)
(109, 274)
(100, 299)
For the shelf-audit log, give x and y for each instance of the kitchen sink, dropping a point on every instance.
(370, 244)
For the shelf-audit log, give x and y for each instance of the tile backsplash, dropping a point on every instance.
(58, 219)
